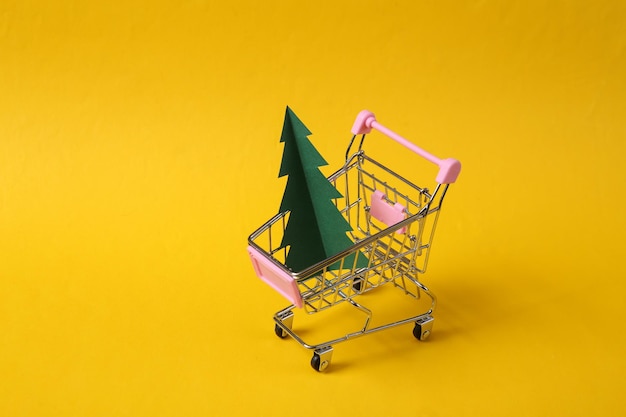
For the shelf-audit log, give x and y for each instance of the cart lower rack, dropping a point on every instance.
(393, 222)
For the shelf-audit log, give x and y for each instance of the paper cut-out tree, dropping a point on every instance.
(316, 229)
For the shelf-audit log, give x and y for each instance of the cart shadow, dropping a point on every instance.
(465, 310)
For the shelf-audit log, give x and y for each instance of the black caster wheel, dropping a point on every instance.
(358, 284)
(283, 321)
(321, 359)
(316, 362)
(279, 331)
(423, 328)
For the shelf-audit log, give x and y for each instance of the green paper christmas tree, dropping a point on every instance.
(316, 229)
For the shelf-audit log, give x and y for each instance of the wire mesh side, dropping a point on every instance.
(392, 257)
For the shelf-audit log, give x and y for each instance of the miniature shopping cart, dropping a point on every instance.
(393, 222)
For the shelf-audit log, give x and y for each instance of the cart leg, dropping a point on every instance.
(284, 320)
(423, 327)
(321, 358)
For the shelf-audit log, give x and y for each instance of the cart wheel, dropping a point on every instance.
(419, 335)
(286, 319)
(279, 331)
(321, 358)
(358, 283)
(318, 364)
(423, 328)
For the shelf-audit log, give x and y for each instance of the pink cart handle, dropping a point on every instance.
(449, 168)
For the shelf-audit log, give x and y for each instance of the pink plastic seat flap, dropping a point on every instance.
(275, 277)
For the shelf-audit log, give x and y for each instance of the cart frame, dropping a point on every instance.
(393, 223)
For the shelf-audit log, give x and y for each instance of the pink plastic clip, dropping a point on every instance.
(277, 278)
(386, 213)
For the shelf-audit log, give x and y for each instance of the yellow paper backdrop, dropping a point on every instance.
(139, 149)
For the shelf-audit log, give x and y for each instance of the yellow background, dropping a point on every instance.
(139, 148)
